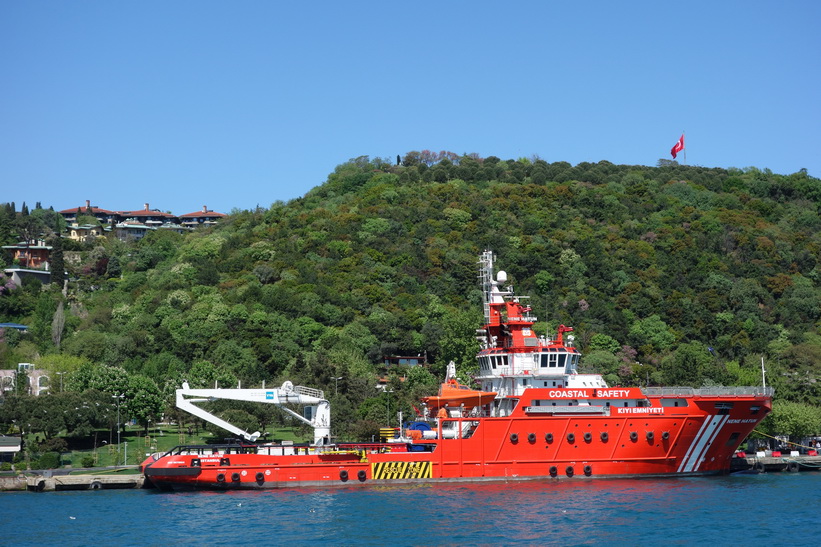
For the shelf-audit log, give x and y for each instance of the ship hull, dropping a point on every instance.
(656, 441)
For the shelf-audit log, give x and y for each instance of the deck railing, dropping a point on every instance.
(738, 391)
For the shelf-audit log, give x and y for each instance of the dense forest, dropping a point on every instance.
(670, 275)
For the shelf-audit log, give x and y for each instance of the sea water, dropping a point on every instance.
(771, 508)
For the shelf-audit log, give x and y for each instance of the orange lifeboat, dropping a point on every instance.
(454, 394)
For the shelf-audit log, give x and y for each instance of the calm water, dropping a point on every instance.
(741, 509)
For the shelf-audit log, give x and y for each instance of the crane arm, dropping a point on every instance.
(287, 394)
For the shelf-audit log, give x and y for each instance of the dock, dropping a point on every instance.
(41, 483)
(775, 462)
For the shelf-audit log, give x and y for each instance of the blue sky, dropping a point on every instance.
(182, 104)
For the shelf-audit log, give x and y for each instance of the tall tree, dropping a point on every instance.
(57, 325)
(58, 267)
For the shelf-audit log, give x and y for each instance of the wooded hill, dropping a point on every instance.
(670, 275)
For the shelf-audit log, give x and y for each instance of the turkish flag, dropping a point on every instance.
(678, 147)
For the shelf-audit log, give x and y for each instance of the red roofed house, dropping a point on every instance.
(103, 215)
(205, 217)
(148, 217)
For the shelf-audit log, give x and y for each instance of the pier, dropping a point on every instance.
(775, 461)
(42, 483)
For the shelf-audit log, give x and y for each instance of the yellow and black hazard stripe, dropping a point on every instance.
(401, 470)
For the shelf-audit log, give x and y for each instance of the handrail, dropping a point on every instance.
(684, 391)
(309, 392)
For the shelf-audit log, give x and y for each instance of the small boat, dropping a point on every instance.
(456, 396)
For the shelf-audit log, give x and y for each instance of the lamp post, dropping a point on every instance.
(388, 406)
(118, 397)
(336, 385)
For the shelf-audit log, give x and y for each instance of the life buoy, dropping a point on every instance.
(235, 477)
(650, 436)
(792, 467)
(588, 470)
(603, 436)
(260, 478)
(665, 435)
(634, 436)
(343, 476)
(514, 437)
(362, 475)
(548, 437)
(758, 467)
(588, 437)
(553, 471)
(220, 477)
(569, 471)
(571, 438)
(531, 438)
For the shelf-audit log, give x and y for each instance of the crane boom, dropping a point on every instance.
(314, 399)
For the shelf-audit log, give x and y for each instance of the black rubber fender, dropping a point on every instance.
(220, 477)
(553, 471)
(634, 436)
(665, 435)
(343, 476)
(260, 477)
(571, 438)
(362, 475)
(758, 467)
(603, 436)
(514, 437)
(588, 437)
(95, 485)
(588, 470)
(531, 438)
(548, 437)
(650, 436)
(569, 471)
(792, 467)
(235, 477)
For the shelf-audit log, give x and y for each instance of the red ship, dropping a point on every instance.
(535, 417)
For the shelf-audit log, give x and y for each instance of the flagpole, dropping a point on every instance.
(685, 149)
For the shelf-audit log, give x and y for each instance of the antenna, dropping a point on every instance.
(486, 279)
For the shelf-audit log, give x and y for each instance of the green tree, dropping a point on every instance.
(604, 342)
(458, 343)
(796, 420)
(652, 334)
(143, 400)
(58, 267)
(691, 364)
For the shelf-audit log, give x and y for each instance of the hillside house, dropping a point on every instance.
(32, 255)
(205, 217)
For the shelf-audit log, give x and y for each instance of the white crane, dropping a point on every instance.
(317, 408)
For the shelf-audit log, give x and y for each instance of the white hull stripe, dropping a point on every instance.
(693, 444)
(702, 443)
(695, 464)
